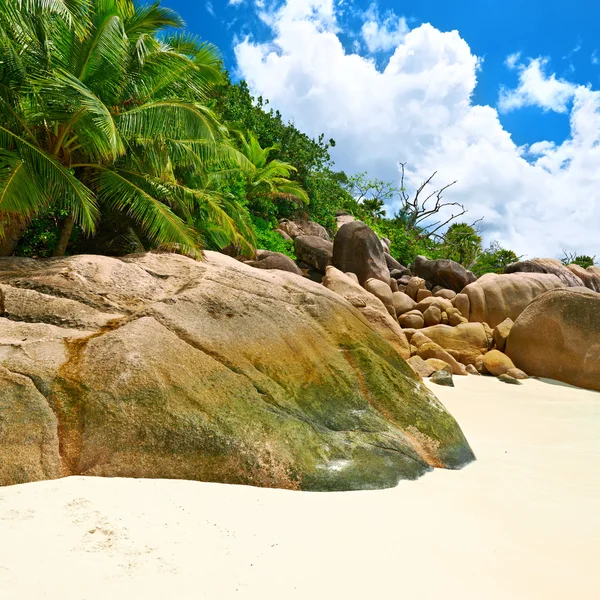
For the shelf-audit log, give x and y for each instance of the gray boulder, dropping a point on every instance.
(314, 251)
(445, 273)
(265, 259)
(356, 248)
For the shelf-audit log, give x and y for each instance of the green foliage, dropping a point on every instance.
(104, 109)
(268, 239)
(572, 258)
(462, 244)
(493, 260)
(40, 238)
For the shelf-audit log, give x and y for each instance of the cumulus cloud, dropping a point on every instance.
(383, 33)
(536, 88)
(418, 108)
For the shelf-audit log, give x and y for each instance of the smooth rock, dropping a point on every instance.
(467, 341)
(471, 370)
(314, 251)
(432, 316)
(412, 320)
(508, 379)
(497, 363)
(445, 273)
(442, 378)
(422, 294)
(447, 294)
(441, 303)
(217, 372)
(414, 285)
(420, 366)
(403, 303)
(357, 248)
(274, 260)
(517, 374)
(590, 279)
(558, 336)
(426, 348)
(382, 291)
(371, 307)
(493, 298)
(501, 333)
(549, 266)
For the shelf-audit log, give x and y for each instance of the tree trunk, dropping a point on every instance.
(64, 236)
(12, 236)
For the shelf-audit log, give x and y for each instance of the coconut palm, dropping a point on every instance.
(268, 178)
(99, 113)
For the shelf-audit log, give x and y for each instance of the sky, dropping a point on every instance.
(503, 97)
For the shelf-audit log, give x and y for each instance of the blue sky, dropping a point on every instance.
(567, 33)
(391, 82)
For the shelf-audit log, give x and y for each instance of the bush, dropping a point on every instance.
(268, 239)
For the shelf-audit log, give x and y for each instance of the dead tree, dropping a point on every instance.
(416, 211)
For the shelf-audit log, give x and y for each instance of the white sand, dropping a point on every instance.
(523, 522)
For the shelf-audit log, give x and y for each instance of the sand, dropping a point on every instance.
(523, 522)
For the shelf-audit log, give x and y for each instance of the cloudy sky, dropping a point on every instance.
(502, 96)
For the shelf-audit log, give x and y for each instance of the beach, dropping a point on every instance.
(521, 522)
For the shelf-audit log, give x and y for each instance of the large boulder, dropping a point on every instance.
(445, 273)
(550, 266)
(296, 228)
(465, 342)
(265, 259)
(590, 279)
(314, 251)
(356, 248)
(209, 370)
(493, 298)
(558, 336)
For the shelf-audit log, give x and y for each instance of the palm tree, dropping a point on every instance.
(265, 178)
(99, 113)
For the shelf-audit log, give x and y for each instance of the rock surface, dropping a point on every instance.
(265, 259)
(445, 273)
(356, 248)
(371, 307)
(466, 342)
(590, 279)
(549, 266)
(497, 363)
(558, 336)
(442, 378)
(493, 298)
(207, 370)
(314, 251)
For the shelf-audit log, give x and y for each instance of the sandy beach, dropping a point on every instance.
(522, 522)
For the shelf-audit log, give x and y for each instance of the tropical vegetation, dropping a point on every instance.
(121, 132)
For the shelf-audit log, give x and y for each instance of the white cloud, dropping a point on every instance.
(383, 34)
(210, 9)
(418, 108)
(538, 89)
(512, 60)
(235, 2)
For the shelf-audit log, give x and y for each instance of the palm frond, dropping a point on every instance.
(59, 183)
(144, 200)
